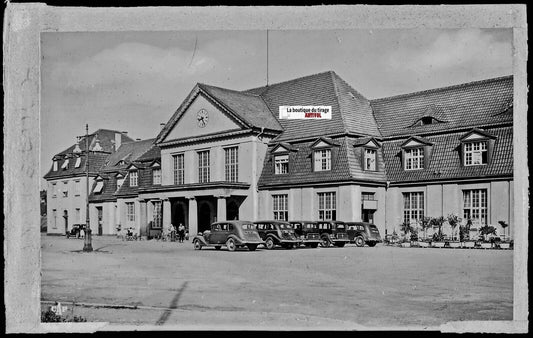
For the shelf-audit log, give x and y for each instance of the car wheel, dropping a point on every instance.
(252, 247)
(372, 244)
(325, 242)
(197, 244)
(359, 241)
(340, 245)
(269, 243)
(230, 243)
(217, 247)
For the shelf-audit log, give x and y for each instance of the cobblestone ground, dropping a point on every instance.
(344, 288)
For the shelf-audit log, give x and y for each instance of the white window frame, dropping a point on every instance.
(322, 159)
(54, 190)
(204, 166)
(370, 159)
(130, 211)
(134, 178)
(55, 164)
(78, 162)
(64, 166)
(413, 206)
(280, 207)
(231, 164)
(475, 206)
(281, 164)
(65, 189)
(414, 158)
(157, 215)
(99, 187)
(156, 175)
(327, 206)
(178, 161)
(473, 153)
(120, 182)
(77, 188)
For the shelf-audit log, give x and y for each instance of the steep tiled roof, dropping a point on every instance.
(250, 108)
(96, 162)
(106, 138)
(108, 191)
(151, 154)
(128, 152)
(351, 112)
(445, 162)
(471, 104)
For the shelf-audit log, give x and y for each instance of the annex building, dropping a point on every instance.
(226, 154)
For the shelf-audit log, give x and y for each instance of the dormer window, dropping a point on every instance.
(477, 147)
(281, 164)
(55, 165)
(322, 160)
(156, 175)
(475, 153)
(370, 159)
(414, 158)
(426, 120)
(65, 165)
(133, 178)
(99, 187)
(78, 162)
(120, 181)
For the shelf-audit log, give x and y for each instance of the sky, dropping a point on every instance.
(133, 81)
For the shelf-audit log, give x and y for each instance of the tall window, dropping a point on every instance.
(370, 159)
(158, 215)
(280, 207)
(231, 164)
(120, 181)
(65, 189)
(130, 211)
(475, 153)
(78, 162)
(65, 165)
(327, 209)
(281, 164)
(413, 206)
(77, 187)
(78, 215)
(133, 178)
(203, 166)
(475, 206)
(322, 159)
(156, 175)
(414, 158)
(179, 168)
(55, 166)
(54, 190)
(54, 218)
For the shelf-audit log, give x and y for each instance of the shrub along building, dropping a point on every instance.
(226, 154)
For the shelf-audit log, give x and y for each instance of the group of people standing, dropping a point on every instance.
(180, 232)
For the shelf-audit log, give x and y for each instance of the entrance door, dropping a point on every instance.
(368, 216)
(65, 216)
(100, 217)
(204, 217)
(232, 210)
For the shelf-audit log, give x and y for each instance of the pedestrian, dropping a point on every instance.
(181, 232)
(172, 232)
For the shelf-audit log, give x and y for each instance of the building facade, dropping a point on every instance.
(226, 154)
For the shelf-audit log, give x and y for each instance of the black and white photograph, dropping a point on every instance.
(266, 176)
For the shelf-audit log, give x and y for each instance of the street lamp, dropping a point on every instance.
(87, 245)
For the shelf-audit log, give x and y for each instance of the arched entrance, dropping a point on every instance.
(65, 216)
(207, 212)
(180, 213)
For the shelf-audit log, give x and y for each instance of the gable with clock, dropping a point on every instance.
(201, 118)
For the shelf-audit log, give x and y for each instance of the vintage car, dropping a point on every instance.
(333, 233)
(307, 231)
(232, 234)
(277, 233)
(363, 232)
(76, 231)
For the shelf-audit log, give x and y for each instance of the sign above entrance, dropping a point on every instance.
(305, 112)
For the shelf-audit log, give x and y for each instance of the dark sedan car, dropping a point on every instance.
(232, 234)
(333, 233)
(307, 231)
(277, 233)
(363, 232)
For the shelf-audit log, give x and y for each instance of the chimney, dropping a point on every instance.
(118, 140)
(162, 125)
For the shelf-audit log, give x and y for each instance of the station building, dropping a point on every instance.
(226, 154)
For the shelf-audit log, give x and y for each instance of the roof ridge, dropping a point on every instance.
(341, 110)
(456, 86)
(227, 89)
(291, 80)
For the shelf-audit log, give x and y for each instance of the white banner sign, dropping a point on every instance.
(305, 112)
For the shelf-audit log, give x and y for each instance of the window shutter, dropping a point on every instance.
(428, 150)
(363, 164)
(316, 161)
(490, 150)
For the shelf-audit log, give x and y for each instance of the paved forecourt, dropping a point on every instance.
(169, 283)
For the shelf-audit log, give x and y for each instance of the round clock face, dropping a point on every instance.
(202, 117)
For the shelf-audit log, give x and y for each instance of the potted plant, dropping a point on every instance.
(438, 237)
(505, 244)
(405, 227)
(485, 232)
(467, 241)
(453, 221)
(424, 225)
